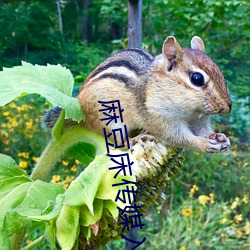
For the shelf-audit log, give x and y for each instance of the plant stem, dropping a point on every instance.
(57, 147)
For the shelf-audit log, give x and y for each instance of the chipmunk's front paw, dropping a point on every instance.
(141, 138)
(218, 142)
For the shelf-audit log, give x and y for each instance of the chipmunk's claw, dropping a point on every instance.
(218, 142)
(141, 138)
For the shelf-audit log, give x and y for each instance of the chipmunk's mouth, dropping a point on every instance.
(221, 111)
(224, 108)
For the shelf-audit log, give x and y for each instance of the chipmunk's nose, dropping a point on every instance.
(227, 108)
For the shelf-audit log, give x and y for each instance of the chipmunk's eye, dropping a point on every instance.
(197, 79)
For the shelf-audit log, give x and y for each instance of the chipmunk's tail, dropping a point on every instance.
(50, 117)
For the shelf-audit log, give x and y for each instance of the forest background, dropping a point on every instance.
(207, 205)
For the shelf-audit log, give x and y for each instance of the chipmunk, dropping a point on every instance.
(170, 96)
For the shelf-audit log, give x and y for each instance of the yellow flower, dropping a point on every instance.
(65, 185)
(238, 233)
(14, 123)
(4, 134)
(23, 164)
(6, 149)
(187, 211)
(65, 163)
(234, 152)
(197, 242)
(235, 203)
(245, 199)
(28, 241)
(6, 113)
(224, 164)
(70, 178)
(223, 235)
(203, 199)
(29, 124)
(35, 159)
(6, 141)
(55, 178)
(211, 195)
(193, 190)
(238, 218)
(24, 154)
(247, 227)
(183, 248)
(73, 168)
(23, 107)
(223, 220)
(77, 162)
(238, 159)
(12, 105)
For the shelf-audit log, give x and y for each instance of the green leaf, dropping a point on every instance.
(96, 182)
(112, 207)
(53, 82)
(9, 168)
(26, 202)
(86, 232)
(50, 234)
(108, 192)
(86, 218)
(4, 240)
(36, 200)
(83, 189)
(14, 223)
(67, 226)
(83, 152)
(20, 198)
(46, 216)
(9, 220)
(14, 198)
(6, 186)
(39, 194)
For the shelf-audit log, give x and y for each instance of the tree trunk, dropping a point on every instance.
(85, 20)
(59, 16)
(134, 23)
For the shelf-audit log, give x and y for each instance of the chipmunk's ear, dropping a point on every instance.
(197, 43)
(171, 49)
